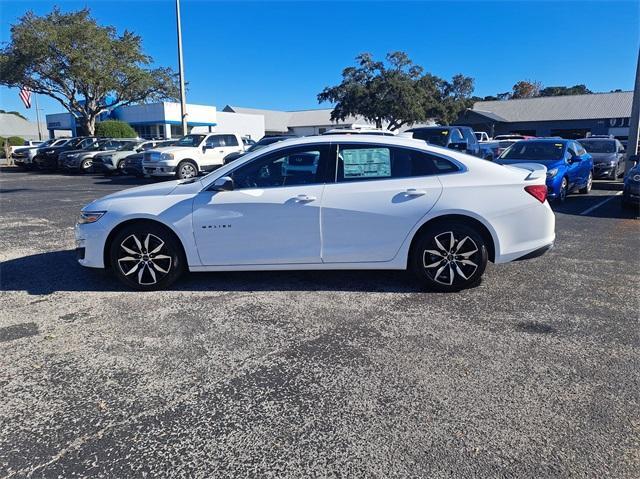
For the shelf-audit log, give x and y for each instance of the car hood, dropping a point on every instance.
(105, 152)
(600, 157)
(171, 149)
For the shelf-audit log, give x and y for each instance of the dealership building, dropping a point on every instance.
(574, 116)
(162, 120)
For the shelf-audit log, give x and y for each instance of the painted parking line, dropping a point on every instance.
(599, 204)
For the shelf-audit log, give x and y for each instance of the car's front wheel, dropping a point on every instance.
(564, 189)
(146, 256)
(186, 169)
(449, 256)
(587, 188)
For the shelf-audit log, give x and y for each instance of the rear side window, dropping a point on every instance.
(373, 162)
(214, 141)
(230, 140)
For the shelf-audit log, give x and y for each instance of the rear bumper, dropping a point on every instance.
(536, 253)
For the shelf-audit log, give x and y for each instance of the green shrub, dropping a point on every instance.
(16, 141)
(115, 129)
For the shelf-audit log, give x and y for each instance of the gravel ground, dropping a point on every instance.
(535, 373)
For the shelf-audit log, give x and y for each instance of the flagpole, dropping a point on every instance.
(35, 96)
(183, 103)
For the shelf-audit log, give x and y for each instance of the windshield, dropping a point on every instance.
(190, 140)
(599, 146)
(534, 150)
(435, 136)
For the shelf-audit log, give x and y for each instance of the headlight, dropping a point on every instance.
(166, 156)
(73, 156)
(552, 172)
(90, 216)
(612, 163)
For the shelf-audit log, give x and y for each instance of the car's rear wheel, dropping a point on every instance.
(186, 169)
(449, 256)
(587, 188)
(145, 256)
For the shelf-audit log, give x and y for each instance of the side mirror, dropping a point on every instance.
(224, 183)
(459, 145)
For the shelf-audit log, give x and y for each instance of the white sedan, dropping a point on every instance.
(326, 202)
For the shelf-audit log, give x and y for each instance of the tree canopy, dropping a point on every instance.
(533, 89)
(86, 67)
(396, 93)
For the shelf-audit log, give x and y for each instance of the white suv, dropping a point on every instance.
(191, 155)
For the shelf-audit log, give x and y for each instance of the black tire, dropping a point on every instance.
(186, 169)
(146, 270)
(564, 190)
(86, 165)
(587, 189)
(441, 265)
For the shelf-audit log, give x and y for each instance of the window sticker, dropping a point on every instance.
(367, 163)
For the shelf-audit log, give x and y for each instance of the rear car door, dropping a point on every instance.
(272, 215)
(379, 195)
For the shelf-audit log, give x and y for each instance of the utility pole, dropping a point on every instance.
(183, 101)
(632, 147)
(35, 96)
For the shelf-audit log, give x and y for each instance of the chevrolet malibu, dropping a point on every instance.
(321, 203)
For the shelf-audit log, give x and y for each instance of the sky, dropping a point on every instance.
(280, 55)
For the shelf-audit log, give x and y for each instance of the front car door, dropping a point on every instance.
(272, 216)
(380, 193)
(581, 166)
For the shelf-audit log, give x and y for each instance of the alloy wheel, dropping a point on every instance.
(563, 190)
(451, 259)
(187, 171)
(145, 260)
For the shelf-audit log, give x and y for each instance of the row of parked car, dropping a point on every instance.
(571, 165)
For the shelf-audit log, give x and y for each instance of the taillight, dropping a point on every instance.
(539, 192)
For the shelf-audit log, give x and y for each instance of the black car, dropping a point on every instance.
(265, 141)
(47, 158)
(461, 138)
(608, 157)
(133, 163)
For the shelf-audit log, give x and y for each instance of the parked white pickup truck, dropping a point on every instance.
(191, 155)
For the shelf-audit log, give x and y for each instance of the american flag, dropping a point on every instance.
(25, 96)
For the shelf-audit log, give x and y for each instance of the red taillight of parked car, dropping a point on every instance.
(539, 192)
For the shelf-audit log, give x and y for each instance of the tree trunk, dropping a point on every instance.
(89, 125)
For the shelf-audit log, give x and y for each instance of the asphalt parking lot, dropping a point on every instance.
(535, 373)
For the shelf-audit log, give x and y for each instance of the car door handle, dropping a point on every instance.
(414, 192)
(304, 198)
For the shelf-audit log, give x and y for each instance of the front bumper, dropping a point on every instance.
(90, 240)
(603, 171)
(631, 193)
(48, 161)
(158, 169)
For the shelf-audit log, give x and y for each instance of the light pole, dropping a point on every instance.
(632, 147)
(183, 101)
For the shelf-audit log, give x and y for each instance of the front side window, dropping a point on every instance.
(373, 162)
(289, 167)
(456, 136)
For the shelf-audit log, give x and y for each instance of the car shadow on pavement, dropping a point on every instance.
(46, 273)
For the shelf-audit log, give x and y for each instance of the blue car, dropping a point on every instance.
(569, 166)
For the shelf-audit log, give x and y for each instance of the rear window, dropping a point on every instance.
(534, 150)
